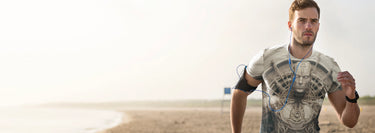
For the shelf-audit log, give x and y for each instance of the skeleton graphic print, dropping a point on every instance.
(315, 76)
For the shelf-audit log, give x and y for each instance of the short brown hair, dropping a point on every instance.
(302, 4)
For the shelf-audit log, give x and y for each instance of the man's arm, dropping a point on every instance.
(347, 112)
(238, 104)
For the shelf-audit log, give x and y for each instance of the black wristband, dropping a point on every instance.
(353, 100)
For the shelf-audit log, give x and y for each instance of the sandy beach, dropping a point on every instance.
(212, 120)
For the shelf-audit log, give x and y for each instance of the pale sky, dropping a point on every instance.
(118, 50)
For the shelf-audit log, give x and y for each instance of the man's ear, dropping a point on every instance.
(290, 25)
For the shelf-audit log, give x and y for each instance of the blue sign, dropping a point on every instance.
(226, 90)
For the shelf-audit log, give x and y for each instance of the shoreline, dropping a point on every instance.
(59, 120)
(125, 118)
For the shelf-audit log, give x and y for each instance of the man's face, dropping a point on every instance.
(305, 26)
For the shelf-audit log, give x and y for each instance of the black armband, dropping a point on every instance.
(243, 85)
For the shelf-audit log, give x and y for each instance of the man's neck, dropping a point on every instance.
(299, 51)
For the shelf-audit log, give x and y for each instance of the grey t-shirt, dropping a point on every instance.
(315, 76)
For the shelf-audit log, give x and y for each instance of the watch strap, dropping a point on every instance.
(353, 100)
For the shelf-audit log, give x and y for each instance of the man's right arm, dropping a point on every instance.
(238, 104)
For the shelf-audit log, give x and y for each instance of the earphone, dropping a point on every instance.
(293, 80)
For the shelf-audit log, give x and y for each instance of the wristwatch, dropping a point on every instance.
(353, 100)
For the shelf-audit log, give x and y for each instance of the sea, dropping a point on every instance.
(56, 120)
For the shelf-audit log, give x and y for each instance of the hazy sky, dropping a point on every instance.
(117, 50)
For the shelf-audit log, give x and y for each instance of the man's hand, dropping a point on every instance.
(347, 83)
(348, 112)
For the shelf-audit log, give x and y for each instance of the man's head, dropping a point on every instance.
(304, 21)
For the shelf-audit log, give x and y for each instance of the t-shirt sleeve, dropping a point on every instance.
(335, 83)
(255, 68)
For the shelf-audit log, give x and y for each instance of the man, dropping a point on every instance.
(296, 79)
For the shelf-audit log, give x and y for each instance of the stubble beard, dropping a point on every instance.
(305, 43)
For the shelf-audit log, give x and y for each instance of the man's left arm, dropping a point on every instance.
(347, 112)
